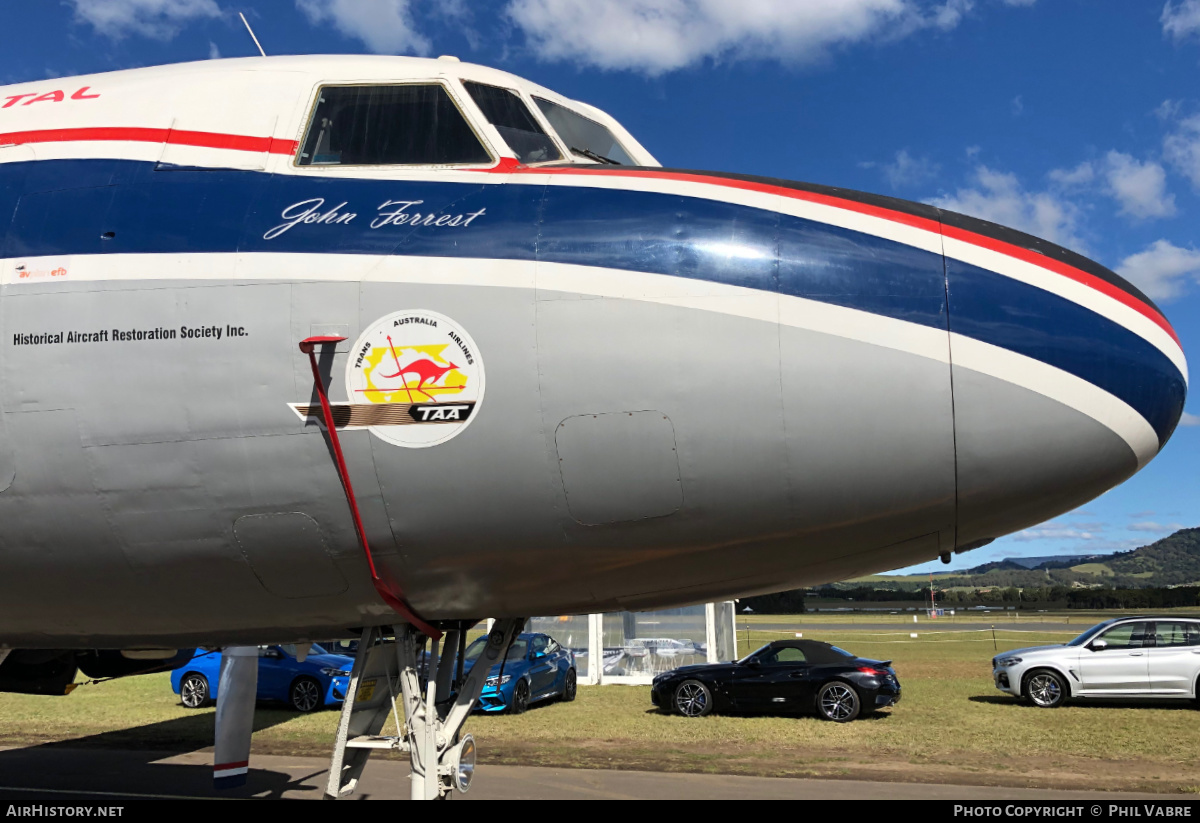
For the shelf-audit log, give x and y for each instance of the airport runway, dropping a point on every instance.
(924, 626)
(60, 775)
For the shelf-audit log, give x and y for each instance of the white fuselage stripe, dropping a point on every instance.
(846, 218)
(702, 295)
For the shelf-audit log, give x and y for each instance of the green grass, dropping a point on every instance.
(951, 726)
(1100, 569)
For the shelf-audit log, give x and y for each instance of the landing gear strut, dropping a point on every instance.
(430, 729)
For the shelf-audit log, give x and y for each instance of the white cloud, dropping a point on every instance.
(1181, 148)
(1150, 526)
(1168, 110)
(214, 53)
(1081, 175)
(906, 170)
(1056, 531)
(157, 19)
(1000, 198)
(657, 36)
(950, 14)
(383, 26)
(1181, 19)
(1140, 188)
(1189, 420)
(1162, 270)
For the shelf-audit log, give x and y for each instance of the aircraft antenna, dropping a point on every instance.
(255, 39)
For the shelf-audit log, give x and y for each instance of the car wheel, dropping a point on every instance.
(839, 702)
(1045, 689)
(693, 699)
(193, 690)
(520, 698)
(305, 695)
(570, 686)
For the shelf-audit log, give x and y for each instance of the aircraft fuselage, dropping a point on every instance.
(563, 389)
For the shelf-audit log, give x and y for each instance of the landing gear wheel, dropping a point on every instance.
(193, 691)
(305, 695)
(839, 702)
(1046, 689)
(693, 699)
(520, 698)
(569, 687)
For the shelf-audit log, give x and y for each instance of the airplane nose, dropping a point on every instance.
(1066, 378)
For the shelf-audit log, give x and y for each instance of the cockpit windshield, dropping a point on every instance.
(583, 136)
(505, 110)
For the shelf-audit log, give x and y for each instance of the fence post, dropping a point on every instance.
(710, 631)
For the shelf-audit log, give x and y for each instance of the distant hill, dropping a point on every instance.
(1172, 561)
(1057, 561)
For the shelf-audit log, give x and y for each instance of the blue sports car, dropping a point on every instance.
(537, 668)
(321, 680)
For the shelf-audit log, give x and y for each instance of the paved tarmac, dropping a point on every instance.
(60, 775)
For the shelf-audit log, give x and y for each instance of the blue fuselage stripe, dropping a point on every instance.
(69, 207)
(998, 310)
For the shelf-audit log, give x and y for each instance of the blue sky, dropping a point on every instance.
(1075, 120)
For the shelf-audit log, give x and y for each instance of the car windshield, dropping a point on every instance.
(755, 652)
(1090, 633)
(475, 649)
(516, 652)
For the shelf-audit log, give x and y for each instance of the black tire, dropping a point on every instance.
(1045, 689)
(839, 701)
(570, 686)
(520, 698)
(692, 699)
(193, 690)
(305, 695)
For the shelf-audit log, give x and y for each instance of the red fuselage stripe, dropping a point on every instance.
(175, 137)
(241, 764)
(913, 220)
(274, 145)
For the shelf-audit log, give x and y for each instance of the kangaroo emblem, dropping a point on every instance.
(426, 370)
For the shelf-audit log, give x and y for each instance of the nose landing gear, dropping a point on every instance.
(430, 729)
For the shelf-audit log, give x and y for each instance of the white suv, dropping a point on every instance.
(1126, 657)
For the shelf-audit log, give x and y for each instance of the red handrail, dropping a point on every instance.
(388, 590)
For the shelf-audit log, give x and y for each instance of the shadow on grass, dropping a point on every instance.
(871, 717)
(127, 761)
(1097, 703)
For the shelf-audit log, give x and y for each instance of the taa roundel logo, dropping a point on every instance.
(415, 379)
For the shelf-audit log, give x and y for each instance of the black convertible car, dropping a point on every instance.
(783, 676)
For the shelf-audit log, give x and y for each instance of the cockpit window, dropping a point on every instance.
(583, 136)
(505, 110)
(408, 125)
